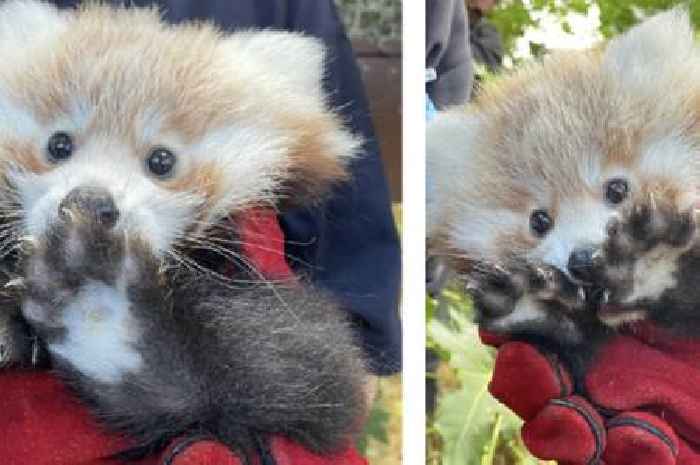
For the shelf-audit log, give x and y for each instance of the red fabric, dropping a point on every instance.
(545, 437)
(643, 400)
(262, 241)
(203, 452)
(42, 423)
(492, 339)
(633, 445)
(512, 382)
(287, 452)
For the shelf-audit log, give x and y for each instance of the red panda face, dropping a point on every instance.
(538, 166)
(181, 125)
(526, 181)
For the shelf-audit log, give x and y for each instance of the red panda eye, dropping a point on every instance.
(160, 162)
(616, 190)
(540, 222)
(60, 146)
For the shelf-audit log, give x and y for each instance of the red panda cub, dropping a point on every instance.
(565, 194)
(124, 144)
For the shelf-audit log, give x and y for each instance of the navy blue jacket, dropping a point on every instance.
(351, 243)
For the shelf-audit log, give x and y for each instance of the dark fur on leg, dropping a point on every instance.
(234, 365)
(19, 345)
(567, 326)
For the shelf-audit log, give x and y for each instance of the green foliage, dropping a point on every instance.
(375, 20)
(474, 428)
(513, 17)
(618, 16)
(376, 426)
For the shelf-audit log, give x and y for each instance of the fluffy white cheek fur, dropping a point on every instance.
(158, 216)
(253, 159)
(100, 333)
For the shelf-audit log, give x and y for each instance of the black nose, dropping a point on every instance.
(581, 264)
(92, 203)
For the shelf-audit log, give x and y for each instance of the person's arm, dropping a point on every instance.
(448, 53)
(354, 250)
(486, 45)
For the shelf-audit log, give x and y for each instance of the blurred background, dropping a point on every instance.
(465, 425)
(374, 27)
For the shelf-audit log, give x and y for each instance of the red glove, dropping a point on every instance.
(43, 424)
(283, 451)
(262, 243)
(642, 405)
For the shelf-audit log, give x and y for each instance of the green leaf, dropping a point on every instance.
(566, 27)
(490, 454)
(579, 6)
(513, 18)
(471, 423)
(376, 426)
(474, 428)
(464, 431)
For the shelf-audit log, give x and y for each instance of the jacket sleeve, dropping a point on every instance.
(486, 45)
(354, 250)
(447, 52)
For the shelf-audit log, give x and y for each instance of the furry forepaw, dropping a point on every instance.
(639, 261)
(17, 346)
(83, 281)
(80, 257)
(646, 226)
(497, 290)
(75, 251)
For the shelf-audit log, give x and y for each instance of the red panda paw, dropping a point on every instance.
(78, 262)
(80, 299)
(641, 257)
(647, 226)
(496, 290)
(74, 251)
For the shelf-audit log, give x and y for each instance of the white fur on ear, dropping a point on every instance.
(24, 23)
(449, 139)
(662, 43)
(294, 58)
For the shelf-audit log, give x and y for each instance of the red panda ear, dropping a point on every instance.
(291, 68)
(319, 158)
(663, 42)
(451, 138)
(26, 23)
(293, 59)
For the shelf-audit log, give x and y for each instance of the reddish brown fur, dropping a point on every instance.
(25, 155)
